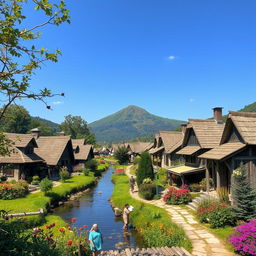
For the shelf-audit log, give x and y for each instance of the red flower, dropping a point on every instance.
(70, 242)
(81, 228)
(73, 220)
(85, 226)
(67, 225)
(52, 225)
(62, 229)
(47, 227)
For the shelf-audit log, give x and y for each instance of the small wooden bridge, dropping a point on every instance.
(163, 251)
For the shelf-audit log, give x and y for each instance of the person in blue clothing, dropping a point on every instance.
(96, 240)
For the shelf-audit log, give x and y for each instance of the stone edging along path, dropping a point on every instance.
(204, 243)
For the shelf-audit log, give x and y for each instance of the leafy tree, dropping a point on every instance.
(77, 127)
(45, 185)
(19, 56)
(16, 119)
(121, 154)
(145, 168)
(244, 196)
(91, 165)
(44, 129)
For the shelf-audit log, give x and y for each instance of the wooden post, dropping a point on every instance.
(218, 175)
(207, 176)
(182, 179)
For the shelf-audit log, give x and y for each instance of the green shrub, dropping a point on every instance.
(145, 168)
(221, 217)
(46, 185)
(147, 191)
(216, 213)
(35, 180)
(203, 184)
(91, 165)
(64, 173)
(86, 172)
(195, 187)
(163, 177)
(121, 154)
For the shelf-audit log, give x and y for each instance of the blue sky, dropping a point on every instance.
(175, 58)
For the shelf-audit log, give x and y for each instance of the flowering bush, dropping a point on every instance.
(14, 189)
(243, 240)
(69, 241)
(195, 187)
(177, 196)
(203, 183)
(216, 213)
(119, 171)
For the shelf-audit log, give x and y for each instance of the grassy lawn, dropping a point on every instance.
(153, 223)
(32, 202)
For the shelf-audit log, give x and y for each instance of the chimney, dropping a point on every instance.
(183, 128)
(62, 133)
(35, 133)
(217, 114)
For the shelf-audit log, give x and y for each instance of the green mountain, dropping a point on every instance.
(249, 108)
(130, 123)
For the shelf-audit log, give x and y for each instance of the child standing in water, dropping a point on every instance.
(96, 240)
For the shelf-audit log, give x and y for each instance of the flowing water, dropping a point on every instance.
(94, 207)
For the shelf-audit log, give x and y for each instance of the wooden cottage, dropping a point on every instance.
(137, 147)
(166, 145)
(82, 152)
(237, 146)
(57, 151)
(200, 136)
(23, 161)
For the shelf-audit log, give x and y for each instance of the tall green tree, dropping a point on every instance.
(16, 119)
(44, 129)
(121, 154)
(77, 128)
(145, 168)
(244, 195)
(19, 54)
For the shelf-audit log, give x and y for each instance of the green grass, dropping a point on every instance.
(153, 222)
(32, 202)
(102, 167)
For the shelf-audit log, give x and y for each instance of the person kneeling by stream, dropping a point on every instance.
(96, 240)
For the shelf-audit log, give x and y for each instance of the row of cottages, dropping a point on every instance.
(165, 146)
(201, 135)
(32, 154)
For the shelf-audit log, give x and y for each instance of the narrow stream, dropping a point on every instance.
(94, 207)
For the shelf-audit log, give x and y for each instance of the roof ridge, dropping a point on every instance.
(244, 114)
(201, 120)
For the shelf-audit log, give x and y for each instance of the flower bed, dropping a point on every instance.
(119, 171)
(216, 213)
(177, 196)
(14, 189)
(243, 240)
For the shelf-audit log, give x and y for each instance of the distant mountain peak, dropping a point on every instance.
(129, 123)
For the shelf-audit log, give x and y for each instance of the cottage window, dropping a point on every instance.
(8, 172)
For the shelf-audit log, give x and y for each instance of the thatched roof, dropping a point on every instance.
(223, 151)
(51, 148)
(208, 132)
(18, 154)
(118, 145)
(245, 123)
(171, 140)
(188, 150)
(81, 150)
(153, 151)
(138, 147)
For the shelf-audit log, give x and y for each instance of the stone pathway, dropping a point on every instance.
(204, 243)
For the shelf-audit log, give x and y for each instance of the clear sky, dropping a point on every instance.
(175, 58)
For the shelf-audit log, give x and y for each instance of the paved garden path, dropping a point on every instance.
(203, 242)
